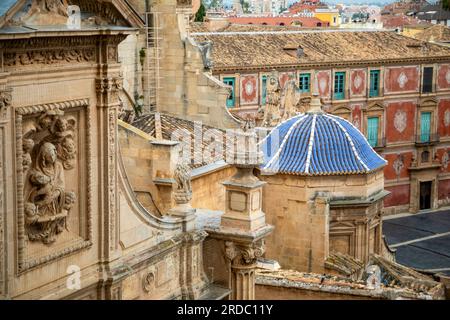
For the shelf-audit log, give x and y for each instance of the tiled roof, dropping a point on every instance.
(318, 144)
(436, 33)
(171, 125)
(265, 50)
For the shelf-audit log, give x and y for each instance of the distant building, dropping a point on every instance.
(402, 104)
(434, 13)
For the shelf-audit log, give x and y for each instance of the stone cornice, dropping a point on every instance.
(332, 64)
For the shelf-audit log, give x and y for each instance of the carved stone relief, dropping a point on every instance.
(48, 57)
(50, 206)
(400, 120)
(148, 282)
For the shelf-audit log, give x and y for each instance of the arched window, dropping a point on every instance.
(319, 24)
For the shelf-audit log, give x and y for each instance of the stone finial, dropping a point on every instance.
(315, 105)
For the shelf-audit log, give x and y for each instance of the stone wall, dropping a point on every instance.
(299, 209)
(187, 90)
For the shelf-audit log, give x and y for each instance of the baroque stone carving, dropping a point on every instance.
(5, 101)
(47, 202)
(148, 282)
(206, 53)
(48, 57)
(400, 120)
(402, 80)
(244, 255)
(47, 139)
(182, 176)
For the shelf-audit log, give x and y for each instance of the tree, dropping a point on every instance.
(201, 13)
(446, 4)
(215, 4)
(245, 6)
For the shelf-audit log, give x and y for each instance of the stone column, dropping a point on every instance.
(243, 226)
(242, 259)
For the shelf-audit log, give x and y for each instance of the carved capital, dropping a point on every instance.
(108, 84)
(244, 255)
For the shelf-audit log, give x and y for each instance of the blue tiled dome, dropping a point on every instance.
(317, 143)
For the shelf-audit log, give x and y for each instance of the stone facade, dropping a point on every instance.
(310, 222)
(70, 225)
(398, 103)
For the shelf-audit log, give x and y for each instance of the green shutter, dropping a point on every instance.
(372, 131)
(304, 82)
(374, 83)
(339, 85)
(425, 126)
(264, 90)
(230, 100)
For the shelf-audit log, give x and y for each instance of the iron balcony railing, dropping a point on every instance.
(427, 138)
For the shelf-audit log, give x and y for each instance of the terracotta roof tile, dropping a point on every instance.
(264, 50)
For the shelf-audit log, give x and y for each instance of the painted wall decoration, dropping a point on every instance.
(284, 77)
(398, 165)
(444, 157)
(400, 121)
(444, 118)
(358, 82)
(398, 79)
(249, 89)
(323, 83)
(356, 116)
(443, 77)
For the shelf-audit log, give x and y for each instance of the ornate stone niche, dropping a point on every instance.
(53, 181)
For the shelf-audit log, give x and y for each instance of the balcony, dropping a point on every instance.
(427, 139)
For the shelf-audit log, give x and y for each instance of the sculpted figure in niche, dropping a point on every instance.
(49, 150)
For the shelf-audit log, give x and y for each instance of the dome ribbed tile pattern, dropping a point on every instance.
(318, 144)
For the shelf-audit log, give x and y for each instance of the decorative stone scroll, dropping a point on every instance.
(48, 138)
